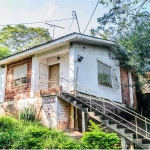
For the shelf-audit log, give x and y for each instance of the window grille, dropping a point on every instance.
(20, 75)
(104, 74)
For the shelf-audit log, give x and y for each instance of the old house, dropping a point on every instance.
(83, 66)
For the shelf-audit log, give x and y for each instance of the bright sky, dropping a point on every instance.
(24, 11)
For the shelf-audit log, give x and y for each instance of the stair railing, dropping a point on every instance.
(104, 110)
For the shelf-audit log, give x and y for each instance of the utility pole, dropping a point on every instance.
(74, 15)
(53, 25)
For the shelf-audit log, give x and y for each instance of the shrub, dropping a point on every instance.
(97, 139)
(27, 113)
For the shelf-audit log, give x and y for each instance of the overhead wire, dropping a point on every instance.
(70, 25)
(37, 22)
(91, 17)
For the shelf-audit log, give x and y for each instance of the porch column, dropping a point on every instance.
(33, 76)
(83, 121)
(131, 146)
(76, 118)
(71, 118)
(130, 88)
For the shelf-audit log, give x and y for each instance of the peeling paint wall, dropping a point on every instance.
(63, 115)
(49, 113)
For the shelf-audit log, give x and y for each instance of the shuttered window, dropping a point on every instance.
(20, 75)
(104, 74)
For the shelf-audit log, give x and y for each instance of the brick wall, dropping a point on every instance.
(135, 102)
(125, 86)
(22, 91)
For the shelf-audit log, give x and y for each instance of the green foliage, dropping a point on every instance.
(19, 37)
(16, 134)
(27, 114)
(97, 139)
(121, 16)
(4, 51)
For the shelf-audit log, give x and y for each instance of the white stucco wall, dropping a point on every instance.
(49, 58)
(2, 83)
(88, 70)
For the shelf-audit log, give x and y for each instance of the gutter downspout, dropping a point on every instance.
(130, 89)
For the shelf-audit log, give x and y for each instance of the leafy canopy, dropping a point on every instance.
(128, 23)
(19, 37)
(4, 51)
(121, 16)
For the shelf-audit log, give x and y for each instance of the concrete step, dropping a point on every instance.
(145, 141)
(146, 146)
(98, 118)
(106, 122)
(129, 135)
(120, 126)
(112, 122)
(139, 136)
(129, 130)
(92, 113)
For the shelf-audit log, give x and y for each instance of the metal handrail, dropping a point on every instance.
(128, 111)
(111, 101)
(111, 117)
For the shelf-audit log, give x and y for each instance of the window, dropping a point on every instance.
(20, 75)
(104, 74)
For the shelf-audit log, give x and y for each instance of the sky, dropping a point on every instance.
(26, 11)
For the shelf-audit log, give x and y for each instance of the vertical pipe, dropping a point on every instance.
(146, 126)
(136, 127)
(90, 103)
(130, 88)
(83, 121)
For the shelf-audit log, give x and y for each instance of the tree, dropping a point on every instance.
(19, 37)
(136, 41)
(121, 16)
(4, 51)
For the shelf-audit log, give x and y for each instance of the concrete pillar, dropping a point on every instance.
(123, 143)
(83, 121)
(76, 118)
(130, 88)
(131, 146)
(71, 118)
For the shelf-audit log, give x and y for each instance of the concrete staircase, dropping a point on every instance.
(112, 119)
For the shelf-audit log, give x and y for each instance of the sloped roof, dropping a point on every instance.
(73, 37)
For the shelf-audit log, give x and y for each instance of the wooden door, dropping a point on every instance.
(54, 74)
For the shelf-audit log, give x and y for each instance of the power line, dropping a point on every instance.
(91, 16)
(70, 25)
(38, 22)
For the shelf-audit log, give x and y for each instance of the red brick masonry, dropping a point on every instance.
(22, 91)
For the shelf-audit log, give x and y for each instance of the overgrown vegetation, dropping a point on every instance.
(17, 134)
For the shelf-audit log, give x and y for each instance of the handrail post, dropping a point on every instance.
(90, 103)
(75, 92)
(136, 127)
(104, 105)
(146, 126)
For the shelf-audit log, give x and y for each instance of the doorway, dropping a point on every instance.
(54, 74)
